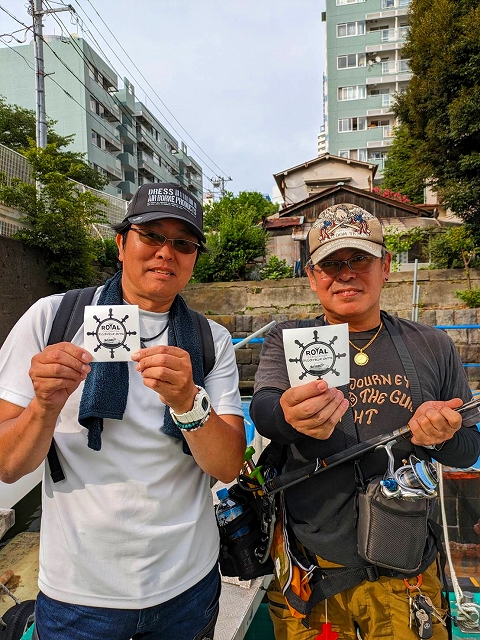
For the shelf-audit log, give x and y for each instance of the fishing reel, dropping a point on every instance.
(416, 480)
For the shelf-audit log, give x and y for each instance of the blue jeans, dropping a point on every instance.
(190, 616)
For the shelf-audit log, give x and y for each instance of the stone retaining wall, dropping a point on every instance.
(245, 307)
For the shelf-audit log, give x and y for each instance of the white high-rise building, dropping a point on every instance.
(364, 70)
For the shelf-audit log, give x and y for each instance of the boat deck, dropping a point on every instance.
(238, 603)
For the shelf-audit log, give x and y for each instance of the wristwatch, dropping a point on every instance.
(198, 414)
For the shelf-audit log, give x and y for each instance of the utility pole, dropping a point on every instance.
(37, 12)
(217, 182)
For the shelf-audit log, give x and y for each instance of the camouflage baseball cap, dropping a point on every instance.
(344, 226)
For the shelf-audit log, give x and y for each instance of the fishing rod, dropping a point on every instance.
(291, 478)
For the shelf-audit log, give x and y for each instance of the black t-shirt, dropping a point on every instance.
(322, 509)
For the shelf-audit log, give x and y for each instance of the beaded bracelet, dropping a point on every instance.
(192, 426)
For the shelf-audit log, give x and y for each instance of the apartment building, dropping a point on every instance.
(364, 70)
(120, 136)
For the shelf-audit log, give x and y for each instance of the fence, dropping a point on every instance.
(14, 165)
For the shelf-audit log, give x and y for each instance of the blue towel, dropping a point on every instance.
(106, 388)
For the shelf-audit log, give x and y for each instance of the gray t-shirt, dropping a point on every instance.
(322, 509)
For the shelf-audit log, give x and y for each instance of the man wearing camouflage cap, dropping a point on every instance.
(401, 373)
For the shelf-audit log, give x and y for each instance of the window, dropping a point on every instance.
(352, 93)
(378, 92)
(343, 153)
(379, 123)
(340, 2)
(362, 155)
(352, 124)
(96, 107)
(351, 60)
(97, 140)
(347, 29)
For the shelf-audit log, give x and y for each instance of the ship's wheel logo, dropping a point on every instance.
(317, 358)
(111, 333)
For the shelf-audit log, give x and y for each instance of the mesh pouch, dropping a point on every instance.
(391, 533)
(240, 556)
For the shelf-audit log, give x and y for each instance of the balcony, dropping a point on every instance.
(389, 9)
(395, 4)
(392, 66)
(127, 188)
(128, 161)
(114, 168)
(112, 142)
(385, 39)
(392, 71)
(379, 137)
(127, 133)
(142, 141)
(146, 163)
(380, 105)
(112, 114)
(380, 162)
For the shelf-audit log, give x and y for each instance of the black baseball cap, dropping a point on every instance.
(157, 200)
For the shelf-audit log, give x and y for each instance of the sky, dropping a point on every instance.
(239, 81)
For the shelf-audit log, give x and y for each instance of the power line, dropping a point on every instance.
(18, 53)
(15, 18)
(87, 62)
(90, 63)
(148, 83)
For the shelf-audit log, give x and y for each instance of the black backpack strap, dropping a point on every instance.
(69, 317)
(405, 357)
(67, 321)
(205, 336)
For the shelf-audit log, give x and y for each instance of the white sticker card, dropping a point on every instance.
(112, 332)
(312, 353)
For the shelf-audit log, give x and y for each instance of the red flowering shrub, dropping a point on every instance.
(387, 193)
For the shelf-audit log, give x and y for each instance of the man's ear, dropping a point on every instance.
(119, 241)
(311, 278)
(386, 266)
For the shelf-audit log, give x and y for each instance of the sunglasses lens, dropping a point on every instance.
(157, 240)
(184, 246)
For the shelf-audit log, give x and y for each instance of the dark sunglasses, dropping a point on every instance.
(154, 239)
(357, 264)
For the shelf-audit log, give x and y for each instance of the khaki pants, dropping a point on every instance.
(378, 609)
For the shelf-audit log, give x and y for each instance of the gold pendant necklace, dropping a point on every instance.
(361, 357)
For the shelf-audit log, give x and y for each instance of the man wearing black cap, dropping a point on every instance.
(401, 373)
(129, 542)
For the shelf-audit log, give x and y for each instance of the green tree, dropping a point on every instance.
(445, 249)
(234, 238)
(251, 203)
(276, 269)
(441, 105)
(17, 127)
(398, 241)
(59, 219)
(401, 173)
(17, 132)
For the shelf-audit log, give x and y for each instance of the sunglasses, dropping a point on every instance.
(357, 264)
(154, 239)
